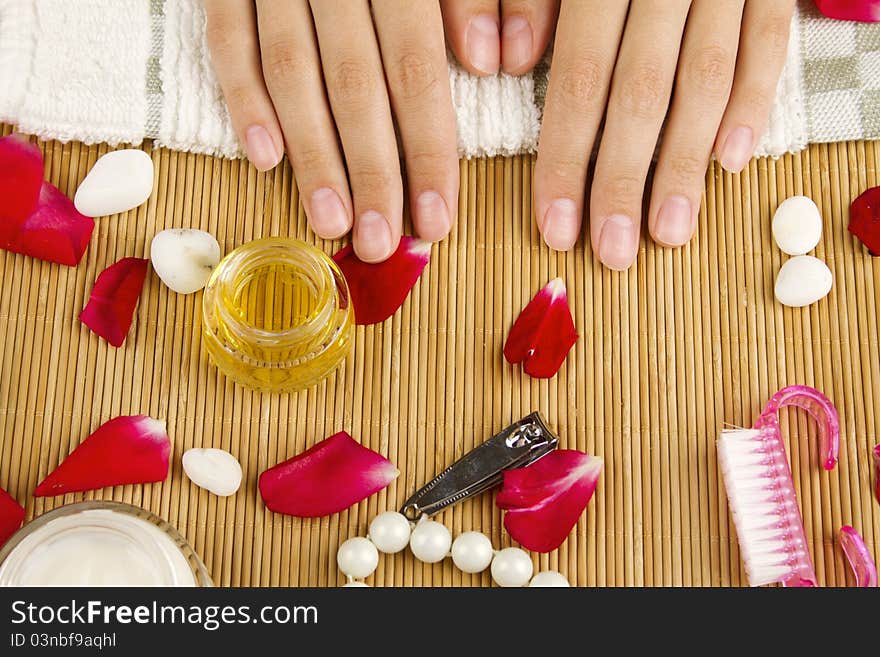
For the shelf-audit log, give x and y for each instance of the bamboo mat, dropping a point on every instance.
(686, 341)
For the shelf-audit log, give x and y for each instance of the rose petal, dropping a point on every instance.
(858, 556)
(21, 175)
(378, 290)
(111, 305)
(35, 218)
(328, 478)
(864, 219)
(545, 499)
(129, 449)
(867, 11)
(11, 516)
(876, 453)
(544, 332)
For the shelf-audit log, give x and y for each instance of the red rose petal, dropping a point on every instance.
(11, 516)
(328, 478)
(21, 175)
(864, 219)
(544, 332)
(130, 449)
(545, 499)
(110, 309)
(858, 556)
(378, 290)
(867, 11)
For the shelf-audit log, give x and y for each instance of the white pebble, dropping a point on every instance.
(512, 567)
(390, 532)
(357, 557)
(356, 585)
(802, 280)
(184, 258)
(213, 469)
(119, 181)
(472, 552)
(549, 578)
(797, 225)
(430, 541)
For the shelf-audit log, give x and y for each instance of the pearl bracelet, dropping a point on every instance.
(431, 542)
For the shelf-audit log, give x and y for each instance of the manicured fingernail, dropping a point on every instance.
(432, 216)
(674, 221)
(484, 44)
(373, 237)
(561, 225)
(516, 43)
(738, 149)
(617, 242)
(328, 215)
(261, 150)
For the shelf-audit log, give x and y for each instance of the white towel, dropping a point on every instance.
(119, 71)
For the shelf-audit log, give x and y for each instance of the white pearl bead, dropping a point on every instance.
(356, 584)
(357, 557)
(389, 532)
(430, 541)
(511, 567)
(472, 552)
(549, 578)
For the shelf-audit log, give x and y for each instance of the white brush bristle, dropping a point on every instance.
(753, 484)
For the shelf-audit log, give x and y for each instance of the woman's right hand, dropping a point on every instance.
(309, 78)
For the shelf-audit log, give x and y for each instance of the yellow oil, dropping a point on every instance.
(277, 315)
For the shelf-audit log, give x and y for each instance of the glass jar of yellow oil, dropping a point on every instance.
(277, 316)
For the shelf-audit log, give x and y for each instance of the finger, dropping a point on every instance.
(526, 27)
(292, 71)
(414, 56)
(235, 54)
(637, 105)
(702, 87)
(473, 34)
(762, 51)
(359, 101)
(587, 36)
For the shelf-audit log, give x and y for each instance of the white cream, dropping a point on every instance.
(97, 547)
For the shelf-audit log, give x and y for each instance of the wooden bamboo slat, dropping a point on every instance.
(684, 343)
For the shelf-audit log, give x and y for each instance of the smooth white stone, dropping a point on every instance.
(549, 578)
(797, 225)
(184, 258)
(472, 552)
(214, 469)
(390, 532)
(357, 557)
(512, 567)
(119, 181)
(802, 280)
(430, 541)
(356, 585)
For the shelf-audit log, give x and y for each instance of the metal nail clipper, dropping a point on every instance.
(516, 446)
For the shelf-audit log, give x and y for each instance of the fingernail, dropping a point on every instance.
(261, 150)
(616, 242)
(373, 237)
(484, 44)
(432, 216)
(674, 221)
(561, 225)
(738, 149)
(516, 38)
(328, 215)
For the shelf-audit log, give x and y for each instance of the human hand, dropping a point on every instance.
(618, 60)
(310, 78)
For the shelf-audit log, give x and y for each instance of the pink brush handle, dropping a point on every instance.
(858, 556)
(817, 405)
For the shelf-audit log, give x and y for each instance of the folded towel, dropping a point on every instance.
(119, 71)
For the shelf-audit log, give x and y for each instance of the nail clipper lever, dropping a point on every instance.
(516, 446)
